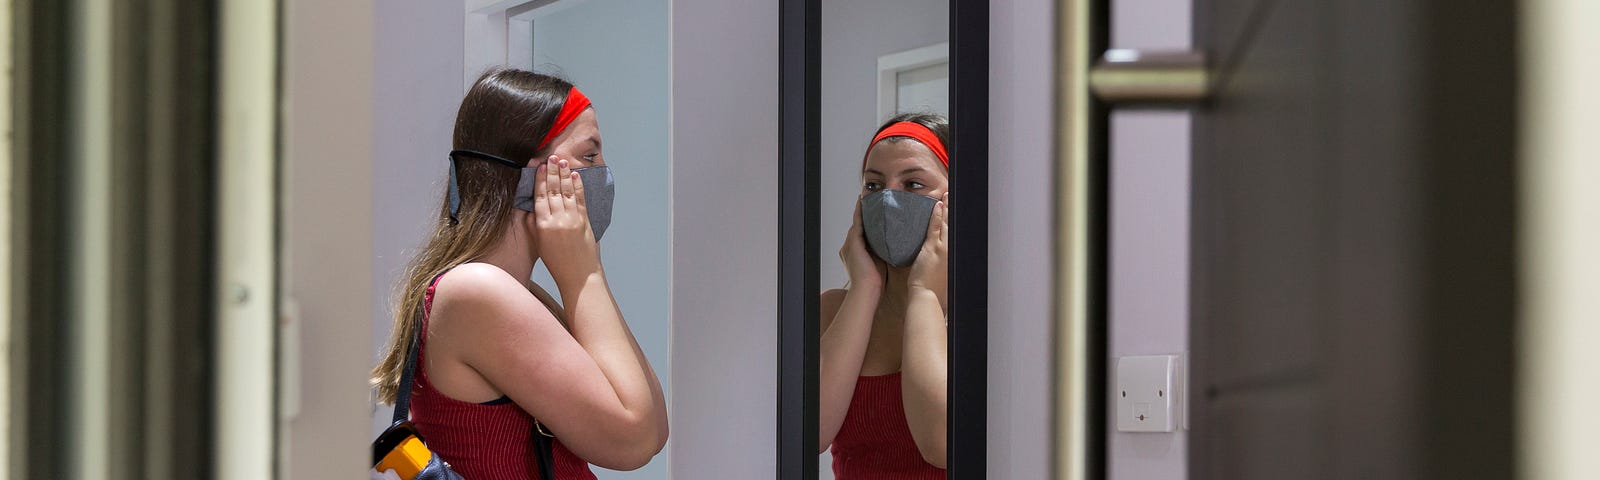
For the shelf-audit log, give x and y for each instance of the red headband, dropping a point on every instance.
(915, 131)
(575, 104)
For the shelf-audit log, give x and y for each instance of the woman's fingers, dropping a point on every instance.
(577, 189)
(566, 181)
(552, 178)
(944, 220)
(541, 206)
(855, 223)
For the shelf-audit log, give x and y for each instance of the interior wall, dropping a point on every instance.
(1149, 222)
(328, 151)
(1022, 235)
(416, 89)
(724, 239)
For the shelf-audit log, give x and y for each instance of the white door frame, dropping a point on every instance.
(890, 66)
(500, 33)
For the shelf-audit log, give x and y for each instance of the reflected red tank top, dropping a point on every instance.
(481, 441)
(875, 442)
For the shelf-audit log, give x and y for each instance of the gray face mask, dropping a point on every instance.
(598, 189)
(896, 223)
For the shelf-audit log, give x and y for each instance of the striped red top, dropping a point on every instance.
(875, 441)
(481, 441)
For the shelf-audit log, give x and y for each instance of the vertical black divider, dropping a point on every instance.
(799, 134)
(968, 313)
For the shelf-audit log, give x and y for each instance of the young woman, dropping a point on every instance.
(883, 349)
(497, 352)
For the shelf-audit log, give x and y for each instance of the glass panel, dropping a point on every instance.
(883, 347)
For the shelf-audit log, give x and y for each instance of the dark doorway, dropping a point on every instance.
(1353, 225)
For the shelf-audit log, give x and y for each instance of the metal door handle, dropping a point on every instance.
(1126, 76)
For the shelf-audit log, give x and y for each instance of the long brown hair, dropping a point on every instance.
(505, 113)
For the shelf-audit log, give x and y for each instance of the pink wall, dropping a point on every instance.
(1021, 222)
(1149, 235)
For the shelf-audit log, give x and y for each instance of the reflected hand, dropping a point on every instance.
(561, 223)
(932, 267)
(865, 269)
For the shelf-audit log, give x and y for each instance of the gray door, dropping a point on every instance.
(1352, 240)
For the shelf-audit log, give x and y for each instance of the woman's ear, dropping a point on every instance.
(530, 229)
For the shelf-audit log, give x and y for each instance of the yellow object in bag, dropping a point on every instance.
(407, 459)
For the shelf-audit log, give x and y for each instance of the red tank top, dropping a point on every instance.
(875, 442)
(481, 441)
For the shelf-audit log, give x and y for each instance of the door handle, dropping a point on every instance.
(1130, 77)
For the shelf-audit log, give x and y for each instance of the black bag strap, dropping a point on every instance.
(544, 451)
(402, 398)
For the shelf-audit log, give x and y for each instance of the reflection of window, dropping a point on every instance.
(914, 81)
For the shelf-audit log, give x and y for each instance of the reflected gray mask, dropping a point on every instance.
(599, 189)
(896, 223)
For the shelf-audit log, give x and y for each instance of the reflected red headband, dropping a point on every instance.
(570, 110)
(915, 131)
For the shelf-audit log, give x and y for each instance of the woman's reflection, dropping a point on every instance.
(883, 345)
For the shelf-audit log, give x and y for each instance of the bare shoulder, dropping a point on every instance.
(480, 292)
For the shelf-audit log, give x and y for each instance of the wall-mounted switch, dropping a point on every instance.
(1149, 393)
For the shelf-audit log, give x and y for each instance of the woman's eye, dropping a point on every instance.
(873, 186)
(914, 186)
(591, 157)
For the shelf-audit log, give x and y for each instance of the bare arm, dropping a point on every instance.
(846, 325)
(924, 367)
(924, 361)
(597, 323)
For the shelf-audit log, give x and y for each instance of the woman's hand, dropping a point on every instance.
(561, 223)
(865, 269)
(932, 266)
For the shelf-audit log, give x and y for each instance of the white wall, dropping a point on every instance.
(328, 197)
(725, 237)
(1021, 238)
(1149, 311)
(416, 89)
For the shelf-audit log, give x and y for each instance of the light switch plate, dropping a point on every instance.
(1149, 393)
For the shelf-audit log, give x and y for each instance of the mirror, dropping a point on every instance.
(884, 169)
